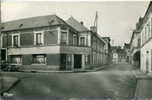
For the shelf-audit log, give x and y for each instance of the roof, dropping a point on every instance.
(32, 22)
(76, 25)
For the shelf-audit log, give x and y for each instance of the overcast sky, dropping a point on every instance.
(115, 19)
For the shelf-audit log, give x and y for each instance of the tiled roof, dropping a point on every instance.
(32, 22)
(76, 25)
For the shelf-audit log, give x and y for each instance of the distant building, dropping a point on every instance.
(119, 55)
(146, 41)
(50, 43)
(127, 50)
(108, 49)
(114, 55)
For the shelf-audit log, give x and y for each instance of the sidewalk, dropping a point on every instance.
(144, 85)
(7, 83)
(97, 68)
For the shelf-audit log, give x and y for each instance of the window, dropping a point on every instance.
(151, 27)
(87, 59)
(74, 39)
(15, 40)
(82, 41)
(63, 37)
(69, 59)
(38, 38)
(39, 59)
(16, 59)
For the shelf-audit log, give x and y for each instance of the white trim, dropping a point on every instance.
(34, 50)
(37, 32)
(16, 34)
(59, 35)
(67, 36)
(1, 40)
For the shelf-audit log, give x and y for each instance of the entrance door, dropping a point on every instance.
(63, 62)
(3, 54)
(77, 61)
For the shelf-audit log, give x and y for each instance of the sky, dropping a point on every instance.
(116, 19)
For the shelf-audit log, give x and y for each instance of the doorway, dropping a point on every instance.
(77, 61)
(63, 62)
(3, 54)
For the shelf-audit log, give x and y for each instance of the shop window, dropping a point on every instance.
(16, 59)
(39, 59)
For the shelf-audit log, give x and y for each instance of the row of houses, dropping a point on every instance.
(141, 42)
(50, 43)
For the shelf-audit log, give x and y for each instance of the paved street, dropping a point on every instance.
(115, 82)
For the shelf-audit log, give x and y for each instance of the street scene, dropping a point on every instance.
(75, 50)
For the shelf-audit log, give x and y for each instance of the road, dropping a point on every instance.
(114, 82)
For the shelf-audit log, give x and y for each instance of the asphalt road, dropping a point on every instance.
(116, 82)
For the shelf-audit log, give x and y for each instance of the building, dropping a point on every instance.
(127, 50)
(118, 55)
(99, 46)
(146, 40)
(50, 43)
(135, 44)
(108, 49)
(114, 55)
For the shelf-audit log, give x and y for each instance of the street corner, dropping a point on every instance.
(7, 82)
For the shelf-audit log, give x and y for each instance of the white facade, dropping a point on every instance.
(146, 44)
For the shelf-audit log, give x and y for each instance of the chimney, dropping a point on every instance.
(81, 22)
(93, 29)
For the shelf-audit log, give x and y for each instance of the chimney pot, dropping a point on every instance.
(93, 29)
